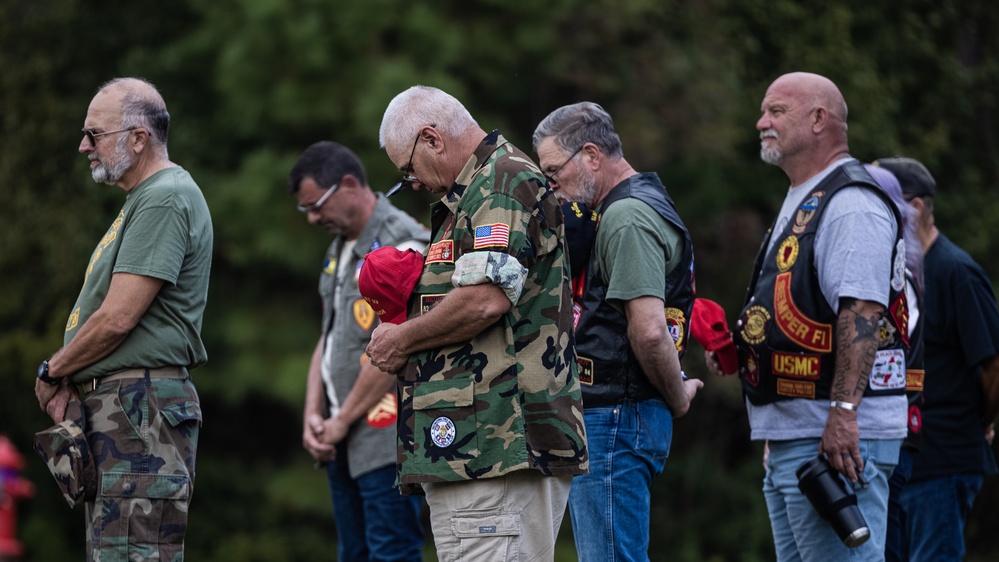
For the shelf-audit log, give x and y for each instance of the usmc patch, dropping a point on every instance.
(441, 252)
(754, 326)
(442, 432)
(787, 254)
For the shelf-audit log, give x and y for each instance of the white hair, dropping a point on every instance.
(422, 106)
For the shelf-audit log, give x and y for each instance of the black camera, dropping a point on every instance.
(834, 500)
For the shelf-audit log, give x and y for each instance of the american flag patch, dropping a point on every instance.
(491, 235)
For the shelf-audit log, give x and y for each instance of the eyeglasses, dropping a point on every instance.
(408, 179)
(550, 178)
(314, 208)
(92, 134)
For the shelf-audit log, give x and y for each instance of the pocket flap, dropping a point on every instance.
(454, 393)
(485, 523)
(152, 486)
(176, 414)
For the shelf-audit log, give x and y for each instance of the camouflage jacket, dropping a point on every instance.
(508, 399)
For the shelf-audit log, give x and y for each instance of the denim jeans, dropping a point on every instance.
(609, 507)
(935, 513)
(374, 522)
(896, 550)
(799, 533)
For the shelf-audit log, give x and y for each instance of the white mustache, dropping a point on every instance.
(768, 134)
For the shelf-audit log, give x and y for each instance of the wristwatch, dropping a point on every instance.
(43, 374)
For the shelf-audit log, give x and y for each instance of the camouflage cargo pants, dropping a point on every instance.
(143, 434)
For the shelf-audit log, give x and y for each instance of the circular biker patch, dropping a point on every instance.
(442, 432)
(787, 254)
(754, 327)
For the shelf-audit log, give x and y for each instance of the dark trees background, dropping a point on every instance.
(251, 83)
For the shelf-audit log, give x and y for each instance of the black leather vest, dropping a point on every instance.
(608, 369)
(786, 333)
(914, 375)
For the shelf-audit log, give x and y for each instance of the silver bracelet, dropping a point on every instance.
(844, 405)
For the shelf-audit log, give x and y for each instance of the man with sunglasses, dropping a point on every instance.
(631, 330)
(491, 425)
(350, 405)
(135, 331)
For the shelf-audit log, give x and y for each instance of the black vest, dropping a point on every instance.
(914, 375)
(786, 333)
(608, 369)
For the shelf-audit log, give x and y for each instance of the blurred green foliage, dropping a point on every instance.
(251, 83)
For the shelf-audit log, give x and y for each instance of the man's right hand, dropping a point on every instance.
(320, 451)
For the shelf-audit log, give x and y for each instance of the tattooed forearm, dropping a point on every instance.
(857, 335)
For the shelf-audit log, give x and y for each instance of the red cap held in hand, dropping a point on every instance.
(708, 327)
(387, 278)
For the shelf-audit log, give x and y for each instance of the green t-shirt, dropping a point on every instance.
(635, 248)
(164, 230)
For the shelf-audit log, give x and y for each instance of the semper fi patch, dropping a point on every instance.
(800, 329)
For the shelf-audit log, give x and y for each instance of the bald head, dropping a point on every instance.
(141, 105)
(803, 127)
(818, 90)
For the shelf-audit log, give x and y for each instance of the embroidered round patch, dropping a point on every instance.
(442, 432)
(787, 254)
(754, 327)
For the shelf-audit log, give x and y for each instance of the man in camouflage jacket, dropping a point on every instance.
(490, 423)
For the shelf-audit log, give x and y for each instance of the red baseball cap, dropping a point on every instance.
(708, 327)
(387, 278)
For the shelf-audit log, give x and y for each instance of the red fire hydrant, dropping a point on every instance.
(12, 489)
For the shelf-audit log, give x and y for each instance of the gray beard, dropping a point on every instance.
(771, 156)
(587, 188)
(110, 172)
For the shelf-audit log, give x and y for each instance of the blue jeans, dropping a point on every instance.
(628, 445)
(799, 533)
(896, 549)
(374, 522)
(935, 513)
